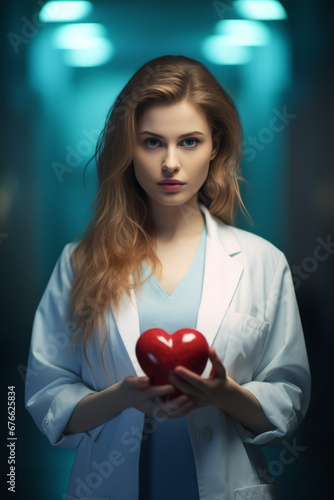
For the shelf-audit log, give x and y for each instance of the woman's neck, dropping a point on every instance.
(172, 222)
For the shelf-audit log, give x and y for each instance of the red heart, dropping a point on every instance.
(159, 352)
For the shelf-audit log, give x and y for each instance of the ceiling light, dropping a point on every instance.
(218, 50)
(244, 32)
(260, 9)
(53, 12)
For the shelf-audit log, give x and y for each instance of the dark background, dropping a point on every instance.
(50, 110)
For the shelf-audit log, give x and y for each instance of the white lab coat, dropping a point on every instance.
(248, 312)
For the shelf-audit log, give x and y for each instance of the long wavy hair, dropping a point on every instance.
(117, 239)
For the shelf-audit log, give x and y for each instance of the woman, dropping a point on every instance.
(161, 254)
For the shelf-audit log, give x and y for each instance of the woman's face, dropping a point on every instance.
(173, 142)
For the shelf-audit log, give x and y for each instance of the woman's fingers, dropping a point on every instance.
(189, 387)
(161, 390)
(142, 382)
(176, 407)
(172, 404)
(176, 411)
(182, 410)
(179, 400)
(218, 369)
(150, 400)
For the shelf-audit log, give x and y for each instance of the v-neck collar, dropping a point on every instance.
(156, 282)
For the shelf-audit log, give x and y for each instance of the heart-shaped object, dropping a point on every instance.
(159, 352)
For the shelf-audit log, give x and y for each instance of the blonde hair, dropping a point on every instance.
(117, 238)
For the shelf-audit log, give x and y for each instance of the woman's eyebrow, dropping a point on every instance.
(180, 136)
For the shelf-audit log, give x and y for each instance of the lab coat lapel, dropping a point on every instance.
(128, 326)
(221, 277)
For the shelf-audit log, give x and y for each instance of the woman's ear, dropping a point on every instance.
(214, 152)
(215, 145)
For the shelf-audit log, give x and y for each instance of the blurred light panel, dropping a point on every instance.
(260, 9)
(53, 12)
(84, 44)
(77, 36)
(244, 32)
(94, 56)
(219, 50)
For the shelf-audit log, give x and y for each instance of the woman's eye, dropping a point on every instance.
(190, 143)
(155, 143)
(152, 143)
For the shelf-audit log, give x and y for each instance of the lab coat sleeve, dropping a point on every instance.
(53, 385)
(281, 382)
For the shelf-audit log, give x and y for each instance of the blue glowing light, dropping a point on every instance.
(96, 55)
(219, 50)
(244, 32)
(77, 36)
(53, 12)
(84, 44)
(260, 9)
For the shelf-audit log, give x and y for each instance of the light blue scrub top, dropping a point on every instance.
(167, 467)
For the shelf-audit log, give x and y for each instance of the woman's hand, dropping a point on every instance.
(202, 391)
(139, 393)
(222, 391)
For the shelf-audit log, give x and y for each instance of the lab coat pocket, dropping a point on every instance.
(247, 336)
(259, 492)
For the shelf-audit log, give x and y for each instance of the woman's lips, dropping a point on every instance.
(170, 181)
(171, 187)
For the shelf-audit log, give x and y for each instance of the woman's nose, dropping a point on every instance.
(171, 160)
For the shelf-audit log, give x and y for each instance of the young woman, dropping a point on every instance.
(162, 251)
